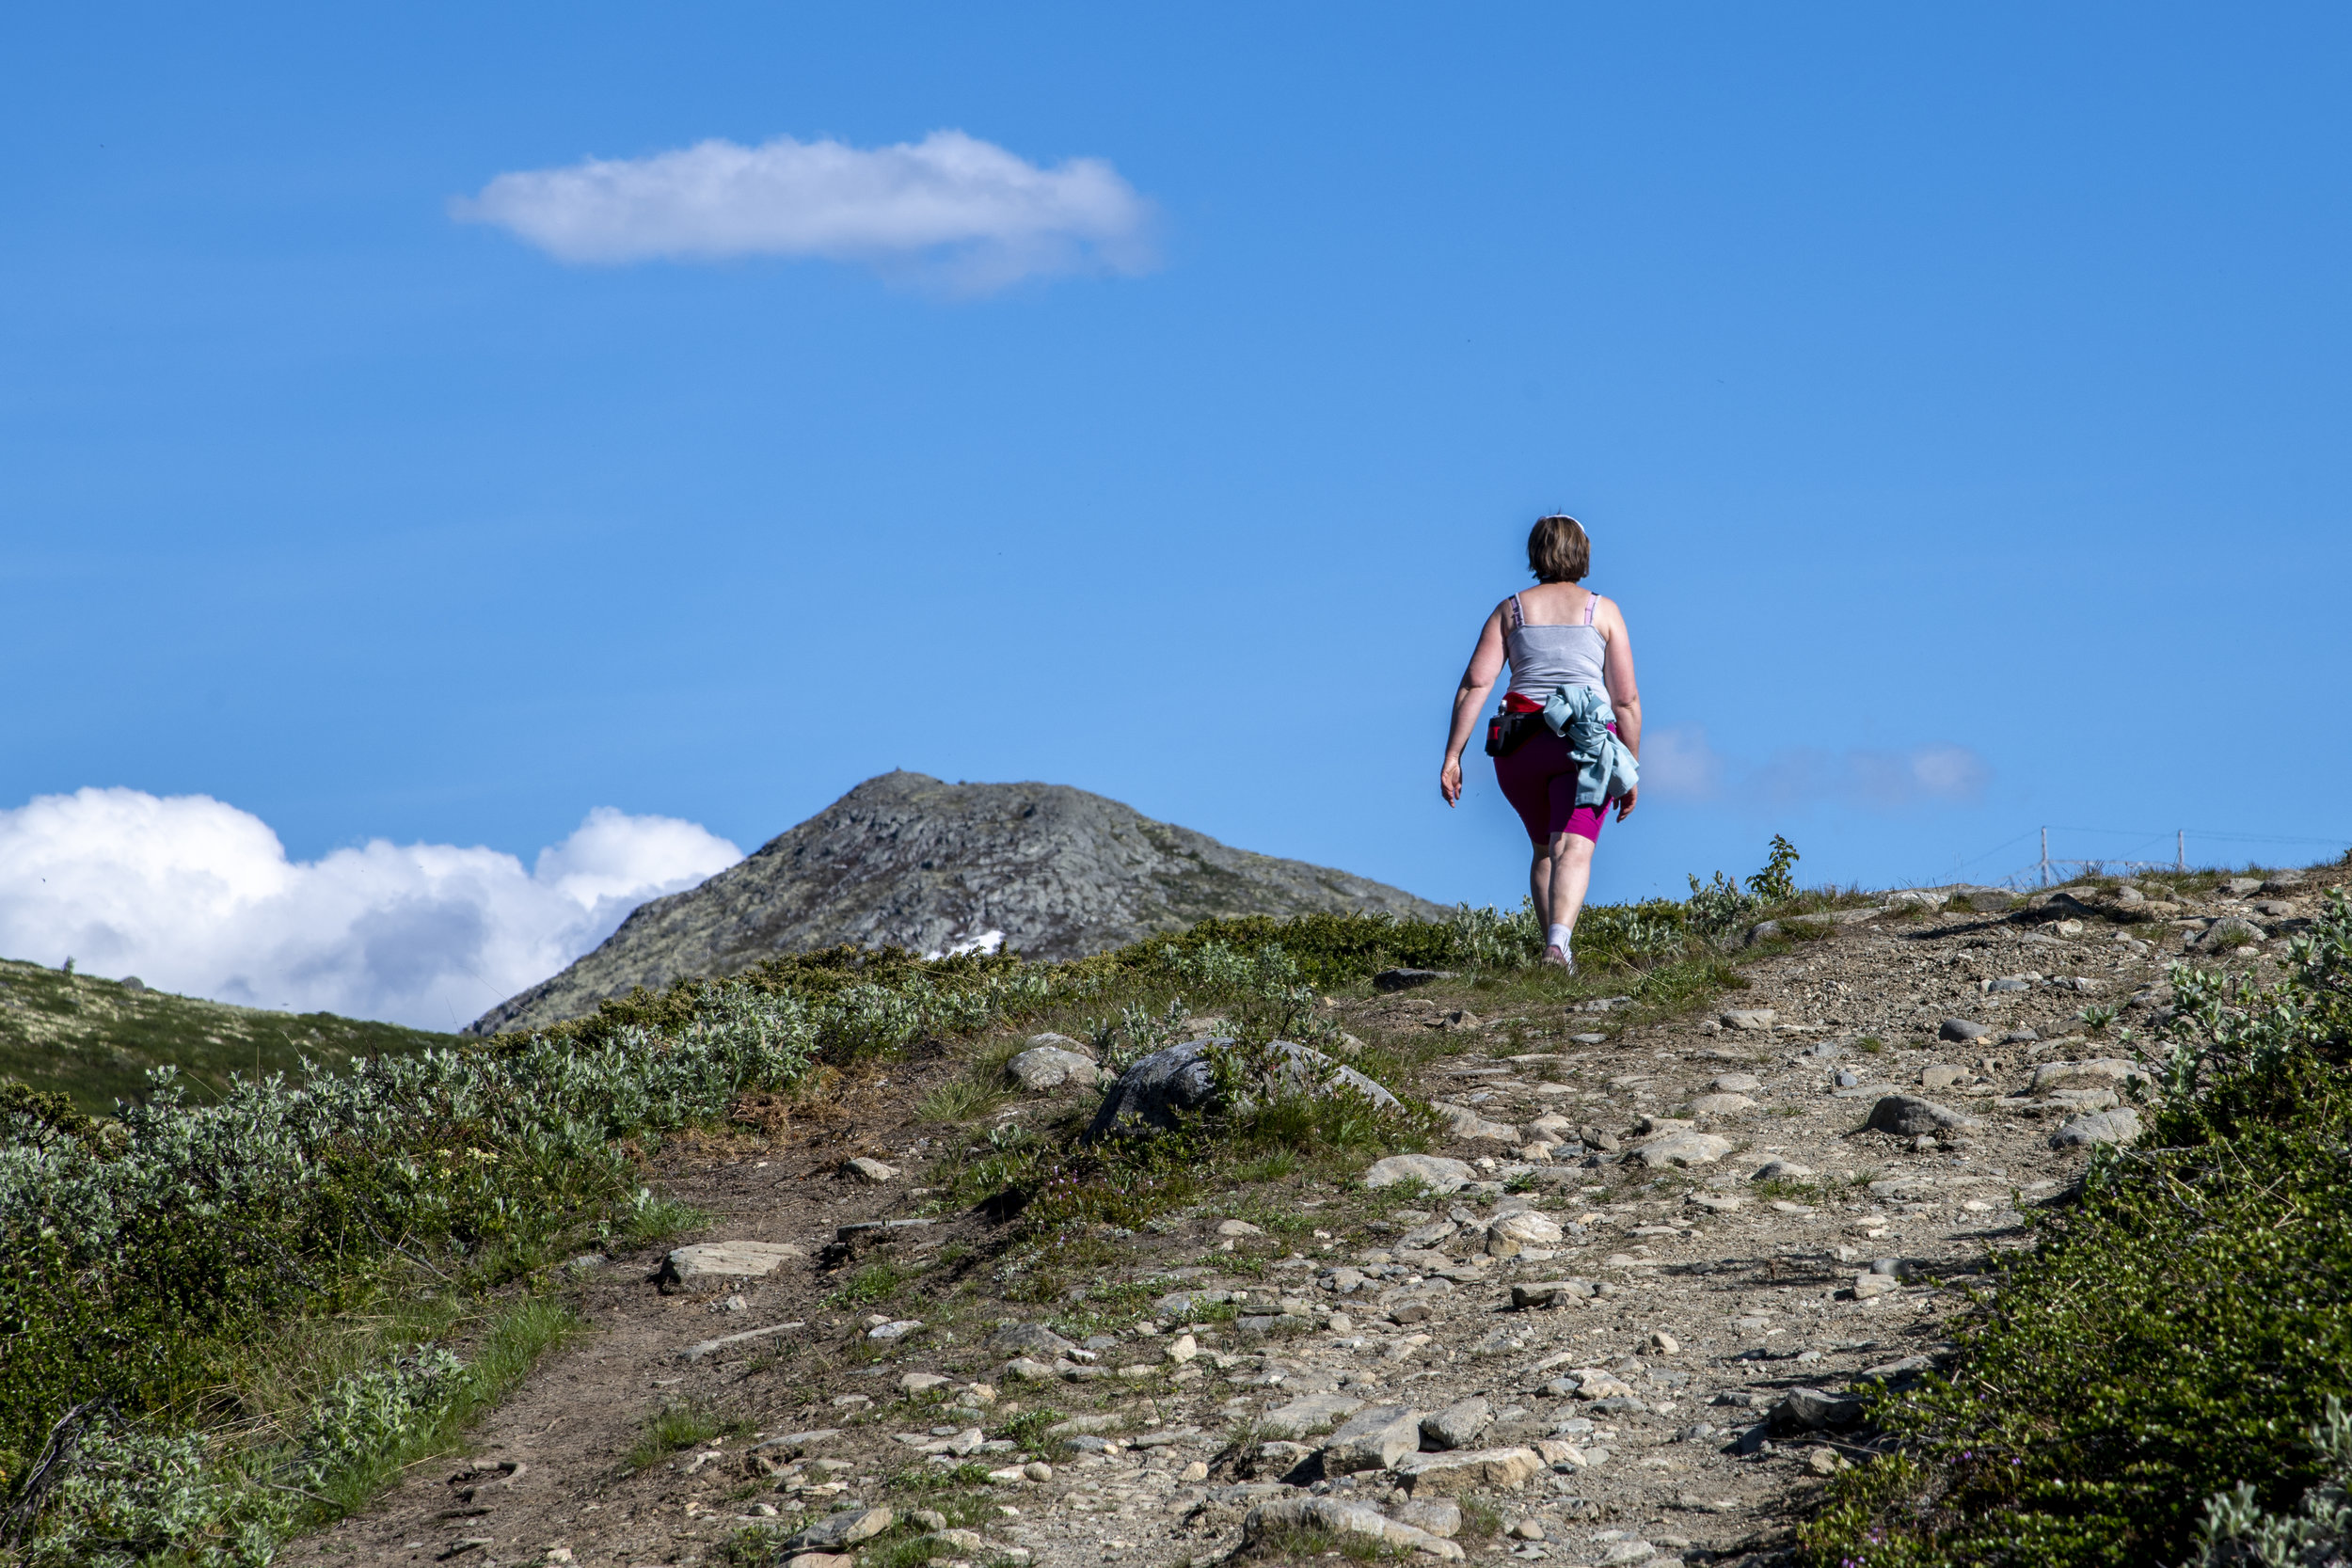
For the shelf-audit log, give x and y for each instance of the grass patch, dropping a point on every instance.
(1028, 1428)
(967, 1098)
(1479, 1522)
(869, 1286)
(682, 1425)
(95, 1040)
(1304, 1544)
(927, 1480)
(1785, 1189)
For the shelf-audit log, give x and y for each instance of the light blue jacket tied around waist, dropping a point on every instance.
(1581, 715)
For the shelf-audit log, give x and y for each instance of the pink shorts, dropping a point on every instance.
(1539, 781)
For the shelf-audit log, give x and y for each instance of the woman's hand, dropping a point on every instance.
(1625, 803)
(1450, 780)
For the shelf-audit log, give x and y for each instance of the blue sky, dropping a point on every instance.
(1929, 381)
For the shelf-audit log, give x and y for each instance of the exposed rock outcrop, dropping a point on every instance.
(906, 861)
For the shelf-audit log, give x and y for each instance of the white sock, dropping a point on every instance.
(1557, 936)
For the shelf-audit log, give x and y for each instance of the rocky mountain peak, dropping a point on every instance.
(907, 861)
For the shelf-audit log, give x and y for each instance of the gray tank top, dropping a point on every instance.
(1543, 658)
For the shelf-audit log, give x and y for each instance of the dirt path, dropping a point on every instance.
(1645, 1410)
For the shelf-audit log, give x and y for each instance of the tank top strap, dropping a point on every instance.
(1592, 602)
(1519, 616)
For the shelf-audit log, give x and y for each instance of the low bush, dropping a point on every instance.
(2153, 1382)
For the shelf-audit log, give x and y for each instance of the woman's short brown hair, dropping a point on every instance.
(1557, 549)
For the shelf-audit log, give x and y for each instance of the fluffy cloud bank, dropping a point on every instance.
(193, 896)
(1678, 762)
(949, 206)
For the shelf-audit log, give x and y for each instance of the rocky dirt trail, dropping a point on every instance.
(1626, 1318)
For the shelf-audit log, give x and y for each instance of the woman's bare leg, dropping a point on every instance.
(1539, 881)
(1566, 875)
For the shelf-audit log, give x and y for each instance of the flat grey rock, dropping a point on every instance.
(713, 1347)
(1433, 1171)
(2107, 1073)
(845, 1528)
(1749, 1018)
(1030, 1337)
(1468, 1126)
(1337, 1516)
(1438, 1515)
(1406, 979)
(1309, 1412)
(1164, 1087)
(1550, 1293)
(708, 1265)
(2099, 1127)
(1735, 1082)
(1683, 1148)
(1962, 1029)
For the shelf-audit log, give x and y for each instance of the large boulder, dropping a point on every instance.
(1457, 1426)
(1451, 1474)
(1167, 1086)
(1043, 1068)
(1372, 1439)
(1908, 1115)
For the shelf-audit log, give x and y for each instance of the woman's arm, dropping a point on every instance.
(1617, 671)
(1485, 663)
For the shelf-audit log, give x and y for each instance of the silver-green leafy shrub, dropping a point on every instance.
(131, 1495)
(2240, 1533)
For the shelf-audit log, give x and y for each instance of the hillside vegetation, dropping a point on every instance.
(219, 1316)
(95, 1040)
(225, 1321)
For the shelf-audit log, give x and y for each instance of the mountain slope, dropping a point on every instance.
(907, 861)
(94, 1040)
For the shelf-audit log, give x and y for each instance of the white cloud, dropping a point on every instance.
(1680, 763)
(193, 896)
(1676, 762)
(949, 206)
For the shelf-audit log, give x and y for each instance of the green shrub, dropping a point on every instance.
(2170, 1346)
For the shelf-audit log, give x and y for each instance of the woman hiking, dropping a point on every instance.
(1566, 739)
